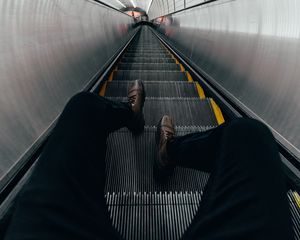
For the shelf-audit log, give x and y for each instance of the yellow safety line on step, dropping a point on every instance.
(176, 61)
(297, 198)
(200, 91)
(181, 67)
(172, 55)
(111, 76)
(103, 89)
(189, 77)
(198, 86)
(217, 111)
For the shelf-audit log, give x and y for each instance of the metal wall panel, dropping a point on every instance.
(160, 8)
(49, 50)
(252, 50)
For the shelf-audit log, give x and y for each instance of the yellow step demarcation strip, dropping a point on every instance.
(103, 89)
(217, 111)
(181, 67)
(176, 60)
(198, 86)
(200, 91)
(297, 198)
(189, 77)
(110, 78)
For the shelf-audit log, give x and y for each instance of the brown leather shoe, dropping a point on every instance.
(136, 99)
(163, 166)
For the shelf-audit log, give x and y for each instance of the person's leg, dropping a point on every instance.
(245, 197)
(64, 197)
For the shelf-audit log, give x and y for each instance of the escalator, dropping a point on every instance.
(141, 208)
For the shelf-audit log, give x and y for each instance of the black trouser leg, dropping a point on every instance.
(245, 197)
(64, 197)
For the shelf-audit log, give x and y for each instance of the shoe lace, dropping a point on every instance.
(132, 99)
(168, 134)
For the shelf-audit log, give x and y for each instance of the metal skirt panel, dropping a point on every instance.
(49, 51)
(250, 49)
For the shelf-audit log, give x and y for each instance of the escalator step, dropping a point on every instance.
(149, 66)
(150, 75)
(185, 111)
(146, 60)
(152, 216)
(158, 55)
(129, 163)
(165, 210)
(152, 45)
(154, 89)
(147, 50)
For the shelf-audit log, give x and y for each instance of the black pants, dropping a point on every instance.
(245, 197)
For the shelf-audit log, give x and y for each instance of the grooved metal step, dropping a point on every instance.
(154, 89)
(129, 164)
(149, 66)
(152, 215)
(184, 111)
(159, 55)
(146, 50)
(147, 60)
(150, 75)
(140, 207)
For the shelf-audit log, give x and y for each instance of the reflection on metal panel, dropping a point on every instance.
(49, 51)
(160, 8)
(250, 48)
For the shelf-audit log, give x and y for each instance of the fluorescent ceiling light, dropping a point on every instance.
(133, 3)
(150, 2)
(121, 3)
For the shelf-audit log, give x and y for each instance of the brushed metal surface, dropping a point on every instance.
(49, 50)
(160, 8)
(251, 49)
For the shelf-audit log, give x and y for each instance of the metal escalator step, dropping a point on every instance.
(149, 66)
(149, 48)
(152, 210)
(152, 216)
(158, 55)
(150, 75)
(129, 164)
(147, 60)
(185, 111)
(154, 89)
(146, 50)
(142, 50)
(152, 45)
